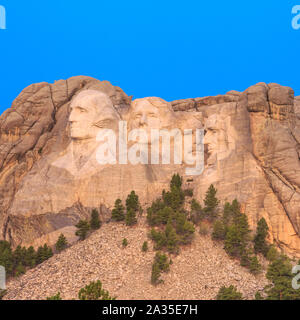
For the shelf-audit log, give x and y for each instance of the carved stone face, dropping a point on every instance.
(91, 110)
(219, 138)
(150, 113)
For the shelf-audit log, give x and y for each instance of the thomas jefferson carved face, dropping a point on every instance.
(150, 113)
(90, 111)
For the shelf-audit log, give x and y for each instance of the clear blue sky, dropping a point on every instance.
(171, 49)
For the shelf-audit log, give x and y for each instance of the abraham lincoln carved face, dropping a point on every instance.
(91, 110)
(220, 137)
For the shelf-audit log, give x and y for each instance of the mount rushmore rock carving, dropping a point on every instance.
(50, 177)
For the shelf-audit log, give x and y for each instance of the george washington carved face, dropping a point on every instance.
(91, 110)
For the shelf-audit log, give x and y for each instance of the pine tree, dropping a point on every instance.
(160, 264)
(188, 233)
(40, 255)
(155, 275)
(235, 208)
(30, 258)
(83, 228)
(159, 238)
(6, 256)
(255, 266)
(130, 218)
(117, 213)
(184, 228)
(174, 198)
(61, 243)
(245, 259)
(95, 221)
(165, 214)
(260, 244)
(124, 242)
(211, 203)
(227, 213)
(197, 213)
(229, 293)
(280, 274)
(94, 291)
(43, 253)
(272, 254)
(233, 242)
(20, 269)
(237, 231)
(176, 181)
(48, 252)
(258, 296)
(55, 297)
(145, 246)
(231, 212)
(18, 257)
(171, 238)
(219, 231)
(154, 212)
(241, 222)
(132, 202)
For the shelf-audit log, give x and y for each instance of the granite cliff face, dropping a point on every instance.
(252, 149)
(31, 130)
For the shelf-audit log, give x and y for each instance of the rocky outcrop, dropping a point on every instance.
(261, 131)
(252, 149)
(35, 126)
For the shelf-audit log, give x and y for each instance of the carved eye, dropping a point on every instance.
(137, 116)
(81, 110)
(104, 123)
(152, 115)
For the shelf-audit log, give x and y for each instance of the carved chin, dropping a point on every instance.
(79, 136)
(212, 159)
(211, 148)
(78, 133)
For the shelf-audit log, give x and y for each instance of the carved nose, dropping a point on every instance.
(143, 119)
(72, 117)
